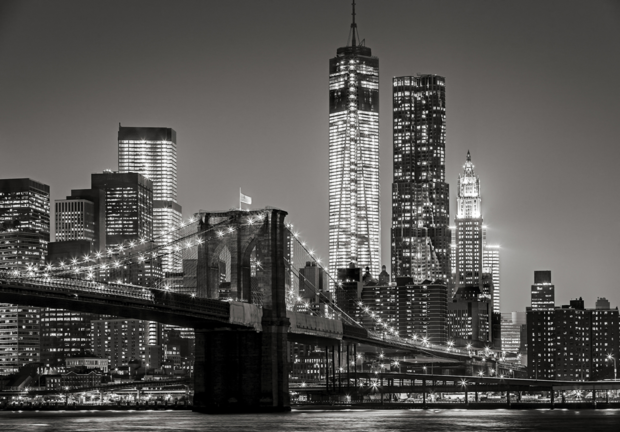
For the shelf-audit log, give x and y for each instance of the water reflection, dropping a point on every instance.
(323, 421)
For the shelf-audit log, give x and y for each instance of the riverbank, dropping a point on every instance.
(28, 407)
(461, 406)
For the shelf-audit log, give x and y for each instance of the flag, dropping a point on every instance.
(244, 199)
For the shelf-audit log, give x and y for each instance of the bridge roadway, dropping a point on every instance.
(137, 302)
(159, 384)
(396, 382)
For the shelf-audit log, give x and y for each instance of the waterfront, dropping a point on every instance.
(324, 421)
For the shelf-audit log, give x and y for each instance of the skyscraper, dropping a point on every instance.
(152, 152)
(128, 206)
(420, 235)
(490, 265)
(354, 214)
(469, 237)
(75, 220)
(24, 236)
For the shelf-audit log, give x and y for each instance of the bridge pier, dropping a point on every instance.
(241, 370)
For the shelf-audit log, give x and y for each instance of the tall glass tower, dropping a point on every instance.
(354, 214)
(152, 152)
(420, 235)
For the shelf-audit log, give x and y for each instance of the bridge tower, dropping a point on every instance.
(242, 370)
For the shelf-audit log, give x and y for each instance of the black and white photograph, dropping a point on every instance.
(287, 215)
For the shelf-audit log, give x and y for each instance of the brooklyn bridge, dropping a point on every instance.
(244, 326)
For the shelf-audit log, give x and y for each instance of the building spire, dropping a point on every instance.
(468, 156)
(353, 26)
(353, 35)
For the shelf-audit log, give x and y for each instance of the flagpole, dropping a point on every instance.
(239, 198)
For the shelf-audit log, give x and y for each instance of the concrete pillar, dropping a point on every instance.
(552, 398)
(594, 397)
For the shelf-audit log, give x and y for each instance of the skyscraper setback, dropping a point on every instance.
(152, 152)
(420, 235)
(354, 214)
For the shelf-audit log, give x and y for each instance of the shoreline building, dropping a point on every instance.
(420, 234)
(354, 211)
(24, 238)
(572, 343)
(152, 152)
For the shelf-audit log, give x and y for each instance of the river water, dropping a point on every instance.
(321, 421)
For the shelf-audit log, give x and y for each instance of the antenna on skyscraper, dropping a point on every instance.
(353, 35)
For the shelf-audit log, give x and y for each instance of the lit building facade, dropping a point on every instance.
(420, 234)
(491, 266)
(64, 333)
(24, 223)
(128, 206)
(120, 340)
(24, 237)
(354, 212)
(413, 310)
(152, 152)
(75, 220)
(543, 291)
(572, 343)
(513, 326)
(470, 317)
(468, 220)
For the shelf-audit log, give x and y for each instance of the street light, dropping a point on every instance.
(611, 357)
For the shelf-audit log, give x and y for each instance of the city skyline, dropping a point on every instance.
(503, 118)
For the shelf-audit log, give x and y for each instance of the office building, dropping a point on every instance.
(414, 311)
(152, 152)
(120, 340)
(80, 230)
(81, 216)
(24, 237)
(354, 212)
(490, 266)
(468, 221)
(75, 220)
(128, 206)
(420, 234)
(64, 334)
(513, 328)
(470, 317)
(543, 291)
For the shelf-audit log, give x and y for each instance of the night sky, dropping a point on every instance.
(532, 89)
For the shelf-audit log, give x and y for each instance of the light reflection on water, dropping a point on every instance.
(322, 421)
